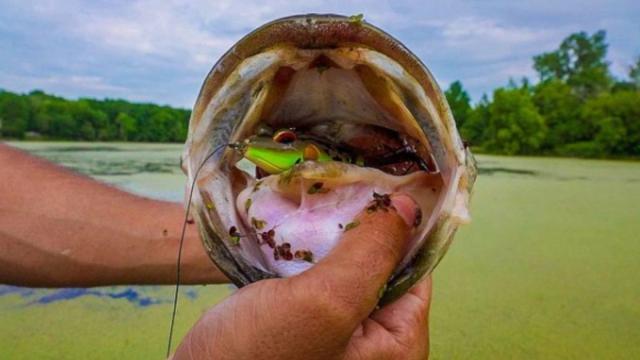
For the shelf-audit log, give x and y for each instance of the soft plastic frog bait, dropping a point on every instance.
(282, 151)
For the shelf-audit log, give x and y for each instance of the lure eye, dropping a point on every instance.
(285, 136)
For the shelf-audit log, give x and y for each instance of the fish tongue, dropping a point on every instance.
(307, 210)
(309, 226)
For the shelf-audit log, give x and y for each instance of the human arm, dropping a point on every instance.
(327, 312)
(60, 228)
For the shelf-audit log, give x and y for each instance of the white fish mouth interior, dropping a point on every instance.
(303, 88)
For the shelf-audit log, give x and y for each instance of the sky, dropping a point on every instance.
(160, 51)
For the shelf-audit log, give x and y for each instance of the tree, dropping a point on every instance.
(126, 126)
(580, 62)
(560, 108)
(92, 123)
(14, 115)
(634, 73)
(617, 120)
(515, 126)
(89, 119)
(459, 102)
(474, 129)
(53, 117)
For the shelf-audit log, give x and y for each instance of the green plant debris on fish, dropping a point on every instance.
(256, 187)
(258, 224)
(356, 19)
(234, 236)
(305, 255)
(351, 225)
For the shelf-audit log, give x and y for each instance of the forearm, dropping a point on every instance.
(58, 228)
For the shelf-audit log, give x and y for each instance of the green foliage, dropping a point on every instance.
(575, 110)
(474, 129)
(634, 73)
(617, 118)
(514, 126)
(126, 126)
(14, 115)
(459, 102)
(89, 119)
(579, 62)
(560, 107)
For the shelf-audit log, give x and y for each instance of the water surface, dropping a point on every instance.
(548, 269)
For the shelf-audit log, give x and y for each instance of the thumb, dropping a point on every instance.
(356, 270)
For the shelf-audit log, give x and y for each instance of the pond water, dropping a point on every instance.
(548, 268)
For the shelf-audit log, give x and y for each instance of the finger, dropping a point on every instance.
(362, 262)
(409, 313)
(398, 330)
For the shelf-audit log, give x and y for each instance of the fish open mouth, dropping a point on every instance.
(335, 103)
(317, 128)
(327, 98)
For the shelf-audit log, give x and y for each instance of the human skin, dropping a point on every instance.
(60, 228)
(328, 311)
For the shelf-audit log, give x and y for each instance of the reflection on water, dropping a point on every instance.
(138, 295)
(494, 170)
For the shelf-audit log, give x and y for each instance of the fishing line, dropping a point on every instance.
(184, 229)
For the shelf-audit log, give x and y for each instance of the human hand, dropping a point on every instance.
(326, 312)
(89, 233)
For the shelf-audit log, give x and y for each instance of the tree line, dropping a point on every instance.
(40, 115)
(577, 108)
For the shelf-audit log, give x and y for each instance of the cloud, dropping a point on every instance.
(161, 50)
(484, 39)
(469, 29)
(89, 84)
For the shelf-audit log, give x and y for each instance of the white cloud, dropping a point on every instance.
(67, 84)
(161, 50)
(500, 73)
(482, 39)
(468, 29)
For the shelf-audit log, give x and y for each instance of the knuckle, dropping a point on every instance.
(323, 302)
(413, 345)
